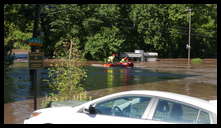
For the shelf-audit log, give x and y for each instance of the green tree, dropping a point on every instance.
(17, 24)
(162, 28)
(60, 23)
(15, 31)
(204, 32)
(104, 43)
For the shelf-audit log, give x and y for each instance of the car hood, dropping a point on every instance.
(56, 109)
(54, 114)
(71, 103)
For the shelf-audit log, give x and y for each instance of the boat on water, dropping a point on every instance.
(120, 64)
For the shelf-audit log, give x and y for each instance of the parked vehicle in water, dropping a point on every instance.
(134, 107)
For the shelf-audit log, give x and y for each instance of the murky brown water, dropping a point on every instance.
(202, 85)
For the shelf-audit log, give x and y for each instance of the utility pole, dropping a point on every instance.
(34, 72)
(189, 47)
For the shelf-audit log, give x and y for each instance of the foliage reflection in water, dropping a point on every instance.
(102, 77)
(17, 85)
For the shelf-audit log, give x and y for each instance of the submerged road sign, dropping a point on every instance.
(36, 60)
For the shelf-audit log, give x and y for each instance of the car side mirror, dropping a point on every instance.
(90, 110)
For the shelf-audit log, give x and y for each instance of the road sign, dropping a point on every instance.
(36, 60)
(35, 42)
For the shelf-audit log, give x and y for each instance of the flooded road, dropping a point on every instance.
(111, 77)
(200, 80)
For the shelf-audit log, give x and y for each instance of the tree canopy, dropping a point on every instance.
(102, 29)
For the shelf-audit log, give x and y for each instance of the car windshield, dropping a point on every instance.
(130, 106)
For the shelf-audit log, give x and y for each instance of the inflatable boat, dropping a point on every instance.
(120, 64)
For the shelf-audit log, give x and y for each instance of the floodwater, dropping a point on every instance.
(111, 77)
(200, 80)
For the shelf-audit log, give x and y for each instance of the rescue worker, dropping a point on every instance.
(125, 59)
(111, 58)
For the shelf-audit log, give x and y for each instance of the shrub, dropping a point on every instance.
(66, 77)
(196, 61)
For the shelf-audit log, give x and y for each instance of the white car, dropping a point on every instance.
(140, 106)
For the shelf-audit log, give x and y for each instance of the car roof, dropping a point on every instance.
(204, 104)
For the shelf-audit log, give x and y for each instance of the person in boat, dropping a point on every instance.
(125, 59)
(110, 59)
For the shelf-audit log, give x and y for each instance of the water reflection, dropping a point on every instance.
(187, 88)
(200, 90)
(124, 76)
(8, 88)
(110, 78)
(17, 84)
(19, 87)
(102, 81)
(102, 77)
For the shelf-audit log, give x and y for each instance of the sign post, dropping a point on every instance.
(35, 44)
(35, 63)
(36, 60)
